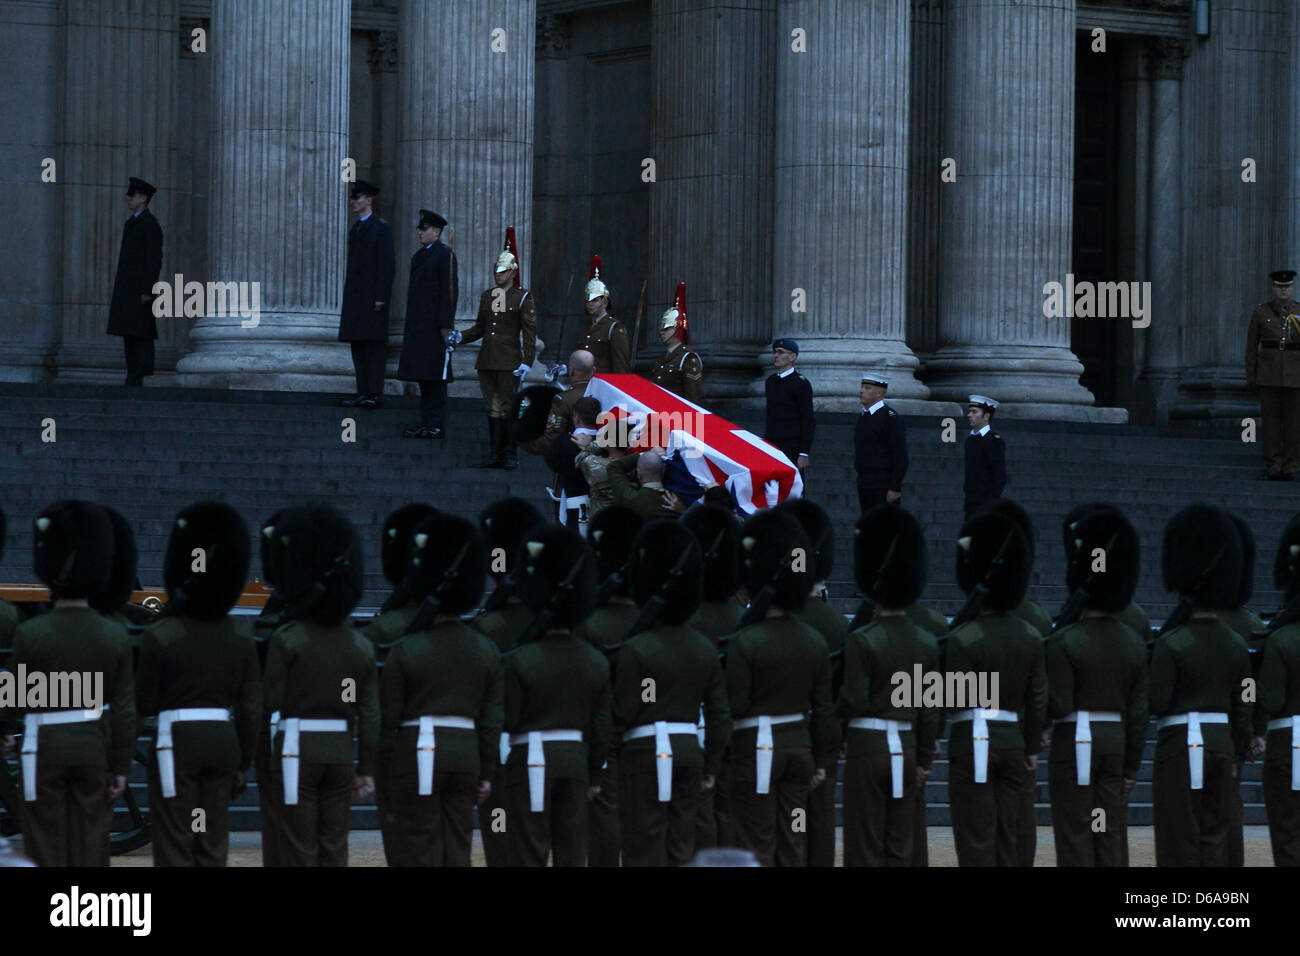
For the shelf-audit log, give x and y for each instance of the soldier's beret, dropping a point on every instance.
(982, 539)
(136, 185)
(363, 188)
(1282, 276)
(503, 526)
(430, 218)
(775, 550)
(1286, 565)
(73, 548)
(531, 408)
(718, 533)
(1013, 510)
(321, 569)
(447, 557)
(121, 570)
(817, 525)
(662, 547)
(1246, 582)
(1110, 588)
(554, 558)
(611, 534)
(220, 533)
(889, 556)
(395, 545)
(790, 345)
(1201, 556)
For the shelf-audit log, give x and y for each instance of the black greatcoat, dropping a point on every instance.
(430, 308)
(138, 263)
(369, 280)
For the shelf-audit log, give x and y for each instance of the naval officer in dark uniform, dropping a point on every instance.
(430, 308)
(789, 424)
(879, 446)
(139, 260)
(986, 456)
(367, 290)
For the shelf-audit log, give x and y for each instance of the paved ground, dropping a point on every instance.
(365, 850)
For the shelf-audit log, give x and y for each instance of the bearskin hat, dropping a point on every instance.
(272, 554)
(611, 534)
(1201, 556)
(889, 556)
(982, 539)
(438, 542)
(1111, 589)
(503, 526)
(1077, 514)
(817, 525)
(662, 546)
(1013, 510)
(1246, 583)
(121, 570)
(553, 557)
(395, 545)
(73, 548)
(775, 551)
(718, 533)
(322, 575)
(531, 408)
(1286, 565)
(220, 533)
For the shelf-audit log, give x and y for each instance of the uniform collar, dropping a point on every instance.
(136, 214)
(874, 408)
(982, 431)
(365, 217)
(789, 371)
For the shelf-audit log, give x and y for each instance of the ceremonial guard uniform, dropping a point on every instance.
(664, 765)
(606, 338)
(320, 687)
(934, 623)
(879, 446)
(139, 260)
(778, 672)
(992, 750)
(789, 423)
(1273, 365)
(441, 700)
(507, 324)
(557, 705)
(1097, 697)
(430, 308)
(1197, 673)
(1245, 624)
(199, 675)
(680, 370)
(887, 744)
(367, 292)
(986, 456)
(71, 757)
(270, 810)
(1279, 701)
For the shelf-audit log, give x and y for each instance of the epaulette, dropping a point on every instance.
(799, 375)
(995, 435)
(890, 410)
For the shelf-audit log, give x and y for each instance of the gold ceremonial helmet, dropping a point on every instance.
(506, 262)
(669, 321)
(596, 288)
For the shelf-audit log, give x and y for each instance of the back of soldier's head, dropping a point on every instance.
(611, 534)
(1286, 563)
(1201, 557)
(121, 570)
(207, 559)
(395, 540)
(502, 526)
(1104, 558)
(718, 533)
(817, 525)
(992, 550)
(269, 549)
(776, 554)
(448, 560)
(667, 562)
(1016, 512)
(72, 548)
(889, 556)
(322, 571)
(557, 570)
(1246, 582)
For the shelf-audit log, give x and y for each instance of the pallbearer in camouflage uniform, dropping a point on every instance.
(992, 751)
(507, 324)
(667, 675)
(606, 338)
(778, 673)
(890, 747)
(557, 706)
(441, 700)
(1279, 701)
(74, 762)
(1097, 696)
(1273, 366)
(1198, 670)
(680, 370)
(199, 675)
(320, 687)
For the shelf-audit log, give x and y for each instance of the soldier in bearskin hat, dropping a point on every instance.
(664, 766)
(76, 754)
(320, 688)
(1097, 695)
(199, 674)
(778, 671)
(111, 599)
(1279, 705)
(1132, 616)
(1198, 666)
(606, 338)
(680, 370)
(994, 742)
(441, 700)
(718, 533)
(890, 748)
(270, 808)
(395, 557)
(557, 705)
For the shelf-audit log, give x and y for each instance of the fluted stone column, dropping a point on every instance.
(465, 142)
(1236, 231)
(1158, 385)
(120, 58)
(924, 149)
(279, 139)
(840, 220)
(711, 204)
(1293, 146)
(1009, 126)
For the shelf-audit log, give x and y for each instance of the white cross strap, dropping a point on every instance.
(164, 747)
(763, 745)
(979, 735)
(661, 731)
(1195, 742)
(535, 739)
(1083, 721)
(895, 742)
(289, 752)
(426, 744)
(32, 724)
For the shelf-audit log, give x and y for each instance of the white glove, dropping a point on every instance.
(455, 337)
(773, 492)
(560, 369)
(522, 370)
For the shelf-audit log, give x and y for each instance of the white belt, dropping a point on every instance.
(293, 726)
(1294, 724)
(979, 735)
(661, 731)
(164, 747)
(891, 729)
(763, 744)
(1195, 742)
(567, 503)
(537, 760)
(32, 724)
(1082, 720)
(425, 745)
(699, 727)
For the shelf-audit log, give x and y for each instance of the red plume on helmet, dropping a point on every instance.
(514, 251)
(679, 303)
(595, 268)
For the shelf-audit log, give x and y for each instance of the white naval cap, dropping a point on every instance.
(875, 378)
(983, 400)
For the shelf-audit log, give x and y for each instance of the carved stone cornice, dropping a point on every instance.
(382, 55)
(1165, 56)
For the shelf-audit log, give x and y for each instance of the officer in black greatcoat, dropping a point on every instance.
(879, 446)
(139, 260)
(986, 456)
(367, 290)
(789, 423)
(430, 308)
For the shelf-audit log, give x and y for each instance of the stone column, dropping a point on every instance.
(711, 204)
(1009, 126)
(1293, 146)
(465, 142)
(840, 219)
(925, 129)
(120, 62)
(278, 196)
(1236, 231)
(1158, 386)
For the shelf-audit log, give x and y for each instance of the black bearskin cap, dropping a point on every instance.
(219, 531)
(889, 529)
(657, 550)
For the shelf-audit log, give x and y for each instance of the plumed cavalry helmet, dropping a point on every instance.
(72, 549)
(531, 408)
(1201, 557)
(1286, 565)
(1246, 582)
(503, 526)
(448, 562)
(718, 533)
(321, 569)
(121, 570)
(992, 550)
(395, 544)
(675, 317)
(611, 534)
(771, 546)
(667, 562)
(817, 525)
(558, 570)
(595, 285)
(889, 556)
(207, 561)
(508, 260)
(1103, 556)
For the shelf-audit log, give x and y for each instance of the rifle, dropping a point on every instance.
(756, 610)
(542, 622)
(1183, 610)
(1073, 608)
(867, 609)
(636, 327)
(650, 613)
(975, 600)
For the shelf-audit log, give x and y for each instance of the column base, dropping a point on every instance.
(1022, 375)
(286, 351)
(1211, 393)
(835, 367)
(1156, 396)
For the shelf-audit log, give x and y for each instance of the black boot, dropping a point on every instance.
(493, 459)
(509, 460)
